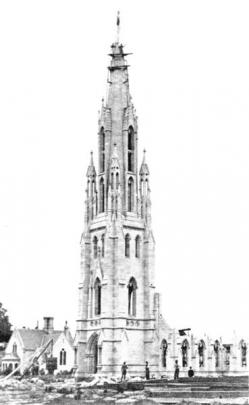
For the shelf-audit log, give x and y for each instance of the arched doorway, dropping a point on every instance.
(93, 354)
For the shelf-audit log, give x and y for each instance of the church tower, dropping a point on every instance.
(117, 316)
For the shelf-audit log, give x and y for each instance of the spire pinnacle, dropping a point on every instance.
(144, 170)
(91, 169)
(118, 27)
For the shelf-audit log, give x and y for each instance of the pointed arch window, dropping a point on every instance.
(164, 348)
(127, 245)
(103, 245)
(185, 348)
(63, 357)
(112, 181)
(131, 146)
(201, 348)
(217, 353)
(130, 194)
(137, 246)
(95, 247)
(243, 348)
(97, 293)
(227, 350)
(117, 180)
(132, 297)
(102, 150)
(101, 195)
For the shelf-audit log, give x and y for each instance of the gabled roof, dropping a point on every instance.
(31, 338)
(53, 335)
(34, 338)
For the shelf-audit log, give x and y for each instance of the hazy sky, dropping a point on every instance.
(190, 85)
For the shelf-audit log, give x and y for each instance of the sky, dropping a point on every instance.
(190, 85)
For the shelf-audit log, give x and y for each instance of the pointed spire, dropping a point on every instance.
(144, 167)
(91, 172)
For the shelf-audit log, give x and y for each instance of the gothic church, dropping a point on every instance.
(119, 315)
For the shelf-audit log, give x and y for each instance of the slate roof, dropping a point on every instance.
(31, 338)
(34, 338)
(53, 335)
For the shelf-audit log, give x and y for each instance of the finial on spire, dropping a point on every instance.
(144, 155)
(118, 26)
(91, 158)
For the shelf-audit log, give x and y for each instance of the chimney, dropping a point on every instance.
(48, 324)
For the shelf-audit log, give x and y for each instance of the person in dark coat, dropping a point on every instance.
(191, 372)
(176, 375)
(123, 371)
(147, 371)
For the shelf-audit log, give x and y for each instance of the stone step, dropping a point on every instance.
(196, 394)
(216, 384)
(198, 401)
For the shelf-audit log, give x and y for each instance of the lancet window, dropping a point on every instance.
(130, 194)
(117, 180)
(185, 348)
(217, 353)
(243, 348)
(130, 149)
(101, 195)
(95, 247)
(227, 349)
(164, 348)
(127, 245)
(132, 287)
(201, 348)
(137, 246)
(102, 150)
(103, 245)
(63, 357)
(97, 293)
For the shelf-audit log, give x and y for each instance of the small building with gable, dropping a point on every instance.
(24, 342)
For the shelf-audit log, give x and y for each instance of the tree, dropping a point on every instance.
(5, 325)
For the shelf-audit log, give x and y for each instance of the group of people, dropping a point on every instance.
(124, 368)
(177, 370)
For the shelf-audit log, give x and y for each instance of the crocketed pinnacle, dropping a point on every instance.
(144, 169)
(91, 172)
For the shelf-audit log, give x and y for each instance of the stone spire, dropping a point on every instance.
(145, 191)
(118, 126)
(144, 177)
(91, 191)
(144, 169)
(91, 172)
